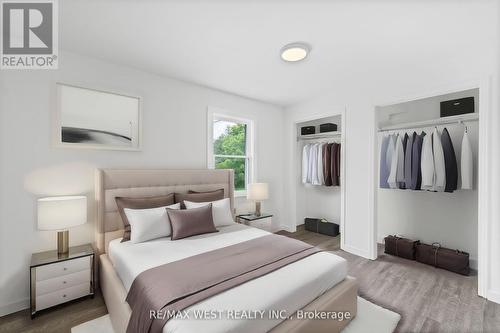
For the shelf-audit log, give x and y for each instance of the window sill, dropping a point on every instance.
(240, 194)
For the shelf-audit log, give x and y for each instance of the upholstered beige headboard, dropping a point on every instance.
(111, 183)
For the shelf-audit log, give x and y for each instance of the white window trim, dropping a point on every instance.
(218, 113)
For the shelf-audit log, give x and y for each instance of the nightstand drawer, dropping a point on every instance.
(62, 282)
(62, 268)
(264, 224)
(62, 296)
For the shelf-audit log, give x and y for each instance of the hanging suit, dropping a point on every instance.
(450, 162)
(466, 163)
(439, 164)
(396, 177)
(384, 167)
(427, 163)
(327, 173)
(339, 147)
(416, 171)
(333, 166)
(400, 173)
(392, 154)
(402, 182)
(408, 156)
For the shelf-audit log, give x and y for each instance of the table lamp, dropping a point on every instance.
(61, 213)
(257, 192)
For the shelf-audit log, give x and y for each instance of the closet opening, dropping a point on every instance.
(428, 179)
(319, 178)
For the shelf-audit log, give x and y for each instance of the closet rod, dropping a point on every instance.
(434, 122)
(319, 136)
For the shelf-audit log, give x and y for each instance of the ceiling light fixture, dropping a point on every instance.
(295, 52)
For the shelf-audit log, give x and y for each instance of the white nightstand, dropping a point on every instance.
(264, 221)
(57, 279)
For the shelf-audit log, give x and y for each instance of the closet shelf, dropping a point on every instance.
(319, 135)
(433, 122)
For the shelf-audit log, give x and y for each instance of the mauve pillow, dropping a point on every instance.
(191, 191)
(191, 222)
(140, 203)
(199, 197)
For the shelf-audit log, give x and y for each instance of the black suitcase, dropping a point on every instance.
(328, 127)
(306, 130)
(328, 228)
(457, 106)
(321, 226)
(311, 224)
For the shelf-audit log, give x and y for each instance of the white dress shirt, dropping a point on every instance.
(466, 163)
(321, 178)
(313, 164)
(305, 163)
(427, 163)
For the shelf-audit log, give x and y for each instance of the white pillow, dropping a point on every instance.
(221, 210)
(150, 223)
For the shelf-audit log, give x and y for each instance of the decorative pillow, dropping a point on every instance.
(191, 191)
(221, 210)
(149, 223)
(199, 196)
(190, 222)
(140, 203)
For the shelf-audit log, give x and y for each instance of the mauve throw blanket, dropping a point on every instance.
(180, 284)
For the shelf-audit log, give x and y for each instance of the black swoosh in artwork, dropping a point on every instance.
(92, 136)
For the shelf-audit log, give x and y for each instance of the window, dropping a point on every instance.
(230, 147)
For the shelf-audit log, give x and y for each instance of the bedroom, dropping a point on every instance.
(196, 68)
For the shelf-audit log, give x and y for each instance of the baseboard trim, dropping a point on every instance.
(287, 228)
(356, 251)
(14, 307)
(494, 296)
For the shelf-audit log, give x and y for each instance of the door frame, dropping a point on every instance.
(294, 169)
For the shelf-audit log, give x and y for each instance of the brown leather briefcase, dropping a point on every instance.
(437, 256)
(401, 247)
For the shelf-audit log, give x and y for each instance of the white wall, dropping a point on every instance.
(174, 126)
(447, 218)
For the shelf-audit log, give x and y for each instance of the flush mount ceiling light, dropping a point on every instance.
(295, 52)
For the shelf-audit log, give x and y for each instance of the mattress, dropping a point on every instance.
(244, 308)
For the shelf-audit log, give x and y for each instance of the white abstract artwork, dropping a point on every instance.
(90, 118)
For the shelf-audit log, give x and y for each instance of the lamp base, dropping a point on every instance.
(63, 242)
(257, 208)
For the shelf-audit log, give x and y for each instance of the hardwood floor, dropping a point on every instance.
(60, 319)
(428, 299)
(324, 242)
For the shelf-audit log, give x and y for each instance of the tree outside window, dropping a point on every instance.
(230, 149)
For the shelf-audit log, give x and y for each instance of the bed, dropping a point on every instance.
(316, 282)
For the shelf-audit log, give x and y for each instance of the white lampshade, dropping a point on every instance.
(59, 213)
(257, 191)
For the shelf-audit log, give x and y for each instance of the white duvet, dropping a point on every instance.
(287, 289)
